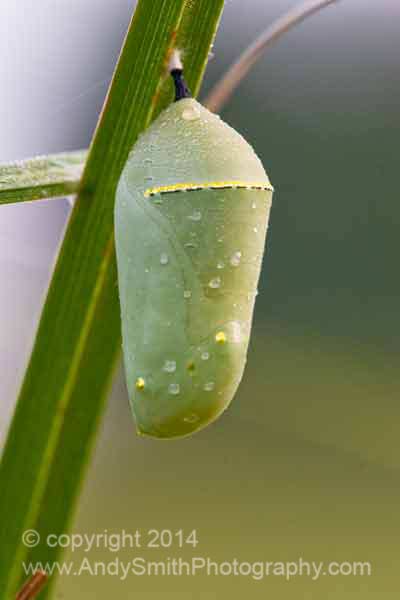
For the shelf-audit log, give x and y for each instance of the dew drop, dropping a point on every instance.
(187, 294)
(235, 259)
(164, 259)
(196, 216)
(214, 283)
(236, 332)
(220, 265)
(205, 355)
(209, 386)
(255, 229)
(174, 389)
(147, 161)
(169, 366)
(193, 418)
(191, 113)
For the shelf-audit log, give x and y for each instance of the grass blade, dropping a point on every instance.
(41, 177)
(78, 339)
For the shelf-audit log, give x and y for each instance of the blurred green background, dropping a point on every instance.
(306, 461)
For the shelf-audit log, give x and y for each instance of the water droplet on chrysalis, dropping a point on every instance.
(195, 216)
(191, 418)
(169, 366)
(214, 283)
(190, 113)
(174, 388)
(164, 258)
(235, 258)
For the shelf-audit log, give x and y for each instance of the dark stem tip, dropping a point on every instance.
(181, 89)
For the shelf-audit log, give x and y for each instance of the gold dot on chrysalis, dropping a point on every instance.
(220, 337)
(139, 383)
(191, 367)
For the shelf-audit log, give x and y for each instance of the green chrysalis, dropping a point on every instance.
(191, 215)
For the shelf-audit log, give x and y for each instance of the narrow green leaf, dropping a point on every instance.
(41, 177)
(78, 340)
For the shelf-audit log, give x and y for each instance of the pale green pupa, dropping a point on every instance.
(191, 215)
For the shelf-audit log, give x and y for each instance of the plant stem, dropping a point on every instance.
(223, 90)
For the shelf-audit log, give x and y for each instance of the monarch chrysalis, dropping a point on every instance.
(191, 215)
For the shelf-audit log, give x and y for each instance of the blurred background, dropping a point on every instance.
(306, 461)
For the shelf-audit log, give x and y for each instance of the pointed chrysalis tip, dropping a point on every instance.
(175, 61)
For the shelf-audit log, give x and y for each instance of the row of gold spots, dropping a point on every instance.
(212, 185)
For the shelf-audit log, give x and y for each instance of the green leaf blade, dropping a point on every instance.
(78, 339)
(41, 177)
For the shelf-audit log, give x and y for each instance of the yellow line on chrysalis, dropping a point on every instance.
(212, 185)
